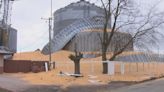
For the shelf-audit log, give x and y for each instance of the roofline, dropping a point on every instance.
(76, 3)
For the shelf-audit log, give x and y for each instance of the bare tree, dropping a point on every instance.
(126, 17)
(76, 59)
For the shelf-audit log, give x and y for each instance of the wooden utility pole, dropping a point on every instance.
(50, 29)
(50, 34)
(50, 55)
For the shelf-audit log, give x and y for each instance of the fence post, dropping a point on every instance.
(143, 66)
(122, 68)
(137, 66)
(46, 66)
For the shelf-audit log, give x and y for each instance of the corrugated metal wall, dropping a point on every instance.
(12, 40)
(8, 38)
(1, 64)
(90, 42)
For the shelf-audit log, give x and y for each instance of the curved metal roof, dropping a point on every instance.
(65, 35)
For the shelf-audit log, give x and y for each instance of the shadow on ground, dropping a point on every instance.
(42, 88)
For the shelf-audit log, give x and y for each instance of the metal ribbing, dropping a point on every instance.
(65, 35)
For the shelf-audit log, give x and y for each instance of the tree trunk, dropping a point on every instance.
(105, 65)
(104, 55)
(77, 67)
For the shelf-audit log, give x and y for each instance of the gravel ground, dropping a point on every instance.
(4, 90)
(13, 83)
(96, 88)
(150, 86)
(42, 88)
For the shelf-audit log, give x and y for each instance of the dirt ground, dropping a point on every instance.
(133, 72)
(52, 81)
(91, 69)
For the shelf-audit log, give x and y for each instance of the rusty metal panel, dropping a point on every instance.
(15, 66)
(1, 70)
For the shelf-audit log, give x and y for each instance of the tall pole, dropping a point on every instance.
(50, 29)
(50, 34)
(51, 9)
(50, 55)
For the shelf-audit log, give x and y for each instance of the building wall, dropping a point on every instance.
(90, 42)
(15, 66)
(8, 39)
(12, 43)
(1, 64)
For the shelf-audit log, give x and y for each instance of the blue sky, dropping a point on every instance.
(32, 30)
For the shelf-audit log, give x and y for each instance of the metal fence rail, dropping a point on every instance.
(142, 57)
